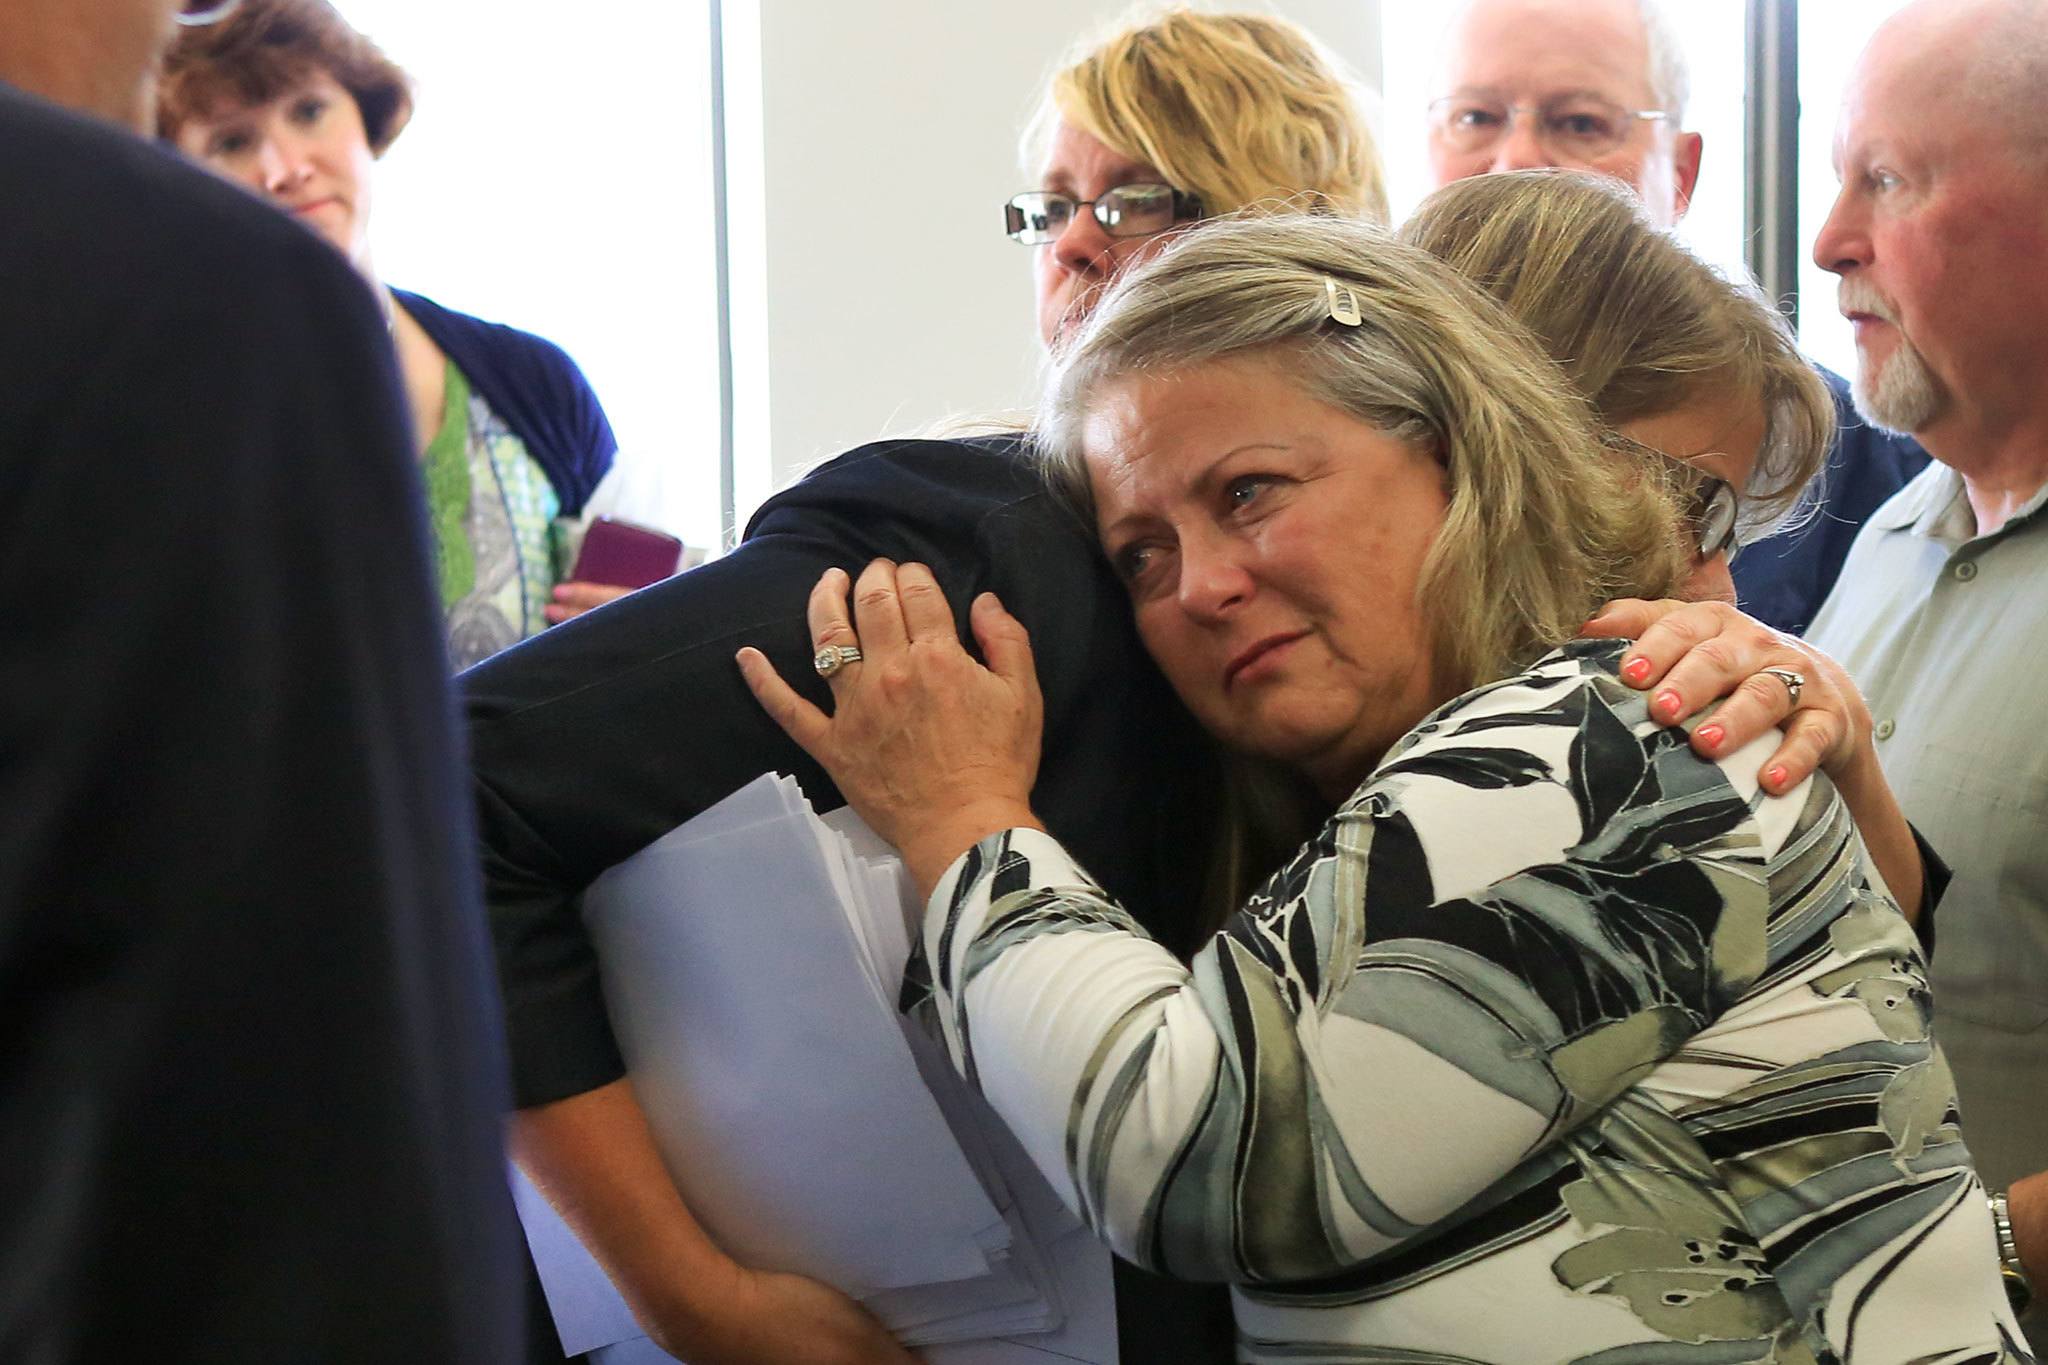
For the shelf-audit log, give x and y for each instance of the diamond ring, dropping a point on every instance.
(831, 658)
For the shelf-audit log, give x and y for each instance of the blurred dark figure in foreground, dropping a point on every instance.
(249, 1075)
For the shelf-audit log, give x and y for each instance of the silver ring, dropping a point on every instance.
(831, 658)
(1795, 683)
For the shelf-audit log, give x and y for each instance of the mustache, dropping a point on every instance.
(1856, 295)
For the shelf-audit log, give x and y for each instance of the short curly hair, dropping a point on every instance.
(265, 48)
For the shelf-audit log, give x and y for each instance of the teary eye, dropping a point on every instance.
(1131, 561)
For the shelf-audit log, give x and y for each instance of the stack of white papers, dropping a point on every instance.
(751, 962)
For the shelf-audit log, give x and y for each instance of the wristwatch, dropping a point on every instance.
(2011, 1273)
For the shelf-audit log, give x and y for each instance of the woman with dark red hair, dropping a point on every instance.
(285, 98)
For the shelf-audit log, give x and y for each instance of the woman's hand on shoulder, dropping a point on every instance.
(932, 749)
(1690, 655)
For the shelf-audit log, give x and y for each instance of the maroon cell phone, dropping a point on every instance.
(625, 555)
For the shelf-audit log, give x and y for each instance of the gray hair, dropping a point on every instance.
(1670, 77)
(1543, 525)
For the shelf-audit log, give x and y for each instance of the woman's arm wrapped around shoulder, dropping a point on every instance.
(1519, 916)
(1539, 896)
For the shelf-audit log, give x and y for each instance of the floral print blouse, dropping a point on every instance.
(499, 547)
(1557, 1043)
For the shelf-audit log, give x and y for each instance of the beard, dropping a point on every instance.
(1900, 395)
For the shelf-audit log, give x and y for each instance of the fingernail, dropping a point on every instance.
(1710, 735)
(1668, 702)
(1776, 775)
(1635, 670)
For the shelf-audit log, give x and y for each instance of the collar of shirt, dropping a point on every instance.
(1935, 506)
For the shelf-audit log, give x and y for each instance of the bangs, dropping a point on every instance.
(267, 48)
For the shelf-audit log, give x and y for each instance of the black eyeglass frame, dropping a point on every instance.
(1712, 508)
(1017, 224)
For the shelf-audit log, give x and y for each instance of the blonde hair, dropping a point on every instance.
(1543, 524)
(1639, 323)
(1236, 109)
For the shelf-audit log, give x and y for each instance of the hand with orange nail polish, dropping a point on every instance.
(1707, 654)
(1698, 654)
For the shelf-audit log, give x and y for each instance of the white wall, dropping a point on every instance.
(1832, 35)
(871, 244)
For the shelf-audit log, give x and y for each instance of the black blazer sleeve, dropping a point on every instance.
(598, 737)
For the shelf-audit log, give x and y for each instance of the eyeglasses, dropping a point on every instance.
(199, 13)
(1038, 216)
(1710, 506)
(1576, 127)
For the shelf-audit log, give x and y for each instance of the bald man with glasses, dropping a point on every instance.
(1602, 85)
(250, 1067)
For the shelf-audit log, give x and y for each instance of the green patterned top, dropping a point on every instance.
(498, 548)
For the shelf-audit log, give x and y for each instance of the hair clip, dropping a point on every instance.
(1343, 303)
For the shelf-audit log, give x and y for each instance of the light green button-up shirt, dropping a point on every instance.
(1946, 632)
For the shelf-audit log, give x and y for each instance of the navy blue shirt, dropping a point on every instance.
(1783, 580)
(535, 388)
(251, 1072)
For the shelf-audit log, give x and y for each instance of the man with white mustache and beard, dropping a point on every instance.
(1939, 234)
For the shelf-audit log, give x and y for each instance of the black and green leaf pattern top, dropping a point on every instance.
(1557, 1043)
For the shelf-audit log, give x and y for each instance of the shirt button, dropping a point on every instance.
(1966, 571)
(1884, 729)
